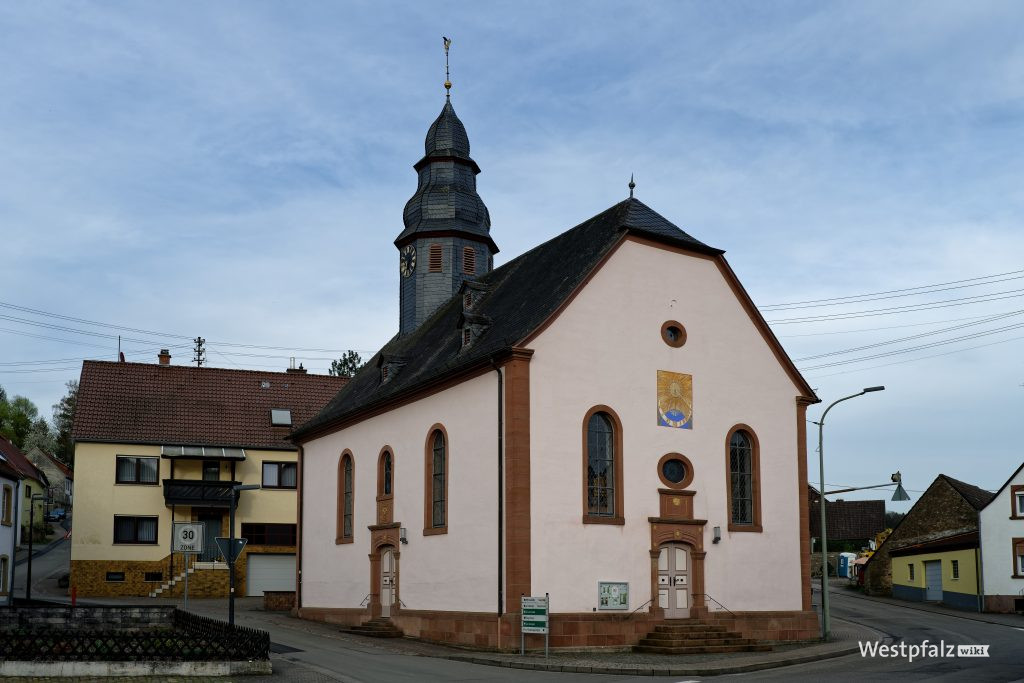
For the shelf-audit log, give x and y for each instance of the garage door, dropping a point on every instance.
(270, 573)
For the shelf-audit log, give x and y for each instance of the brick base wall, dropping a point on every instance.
(1004, 603)
(89, 577)
(568, 630)
(278, 601)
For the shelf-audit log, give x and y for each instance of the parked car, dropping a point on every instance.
(56, 514)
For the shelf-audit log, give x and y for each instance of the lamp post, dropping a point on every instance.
(825, 626)
(231, 545)
(31, 531)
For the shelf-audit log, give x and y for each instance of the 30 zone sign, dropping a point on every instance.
(188, 537)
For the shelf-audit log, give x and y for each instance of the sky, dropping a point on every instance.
(237, 171)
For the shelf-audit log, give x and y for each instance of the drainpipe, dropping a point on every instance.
(501, 495)
(298, 530)
(977, 568)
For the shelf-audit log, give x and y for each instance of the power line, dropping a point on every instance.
(809, 303)
(893, 310)
(876, 329)
(903, 339)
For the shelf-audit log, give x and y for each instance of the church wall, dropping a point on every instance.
(606, 348)
(452, 571)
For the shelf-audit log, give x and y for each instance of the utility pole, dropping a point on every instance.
(198, 352)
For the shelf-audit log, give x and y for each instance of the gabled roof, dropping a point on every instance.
(848, 520)
(16, 459)
(64, 469)
(146, 403)
(977, 497)
(520, 298)
(1006, 483)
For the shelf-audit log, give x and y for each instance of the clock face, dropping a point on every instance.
(407, 260)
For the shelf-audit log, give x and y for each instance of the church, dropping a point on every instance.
(606, 419)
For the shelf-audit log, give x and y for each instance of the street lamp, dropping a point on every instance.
(899, 495)
(31, 531)
(231, 546)
(824, 538)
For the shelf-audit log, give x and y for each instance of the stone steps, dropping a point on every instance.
(378, 627)
(172, 583)
(689, 636)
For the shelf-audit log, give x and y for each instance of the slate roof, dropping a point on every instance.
(16, 459)
(977, 497)
(193, 406)
(848, 520)
(447, 135)
(519, 296)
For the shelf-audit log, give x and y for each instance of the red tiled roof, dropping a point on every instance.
(17, 460)
(200, 406)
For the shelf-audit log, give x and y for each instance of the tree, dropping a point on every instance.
(893, 518)
(63, 420)
(346, 366)
(17, 417)
(41, 437)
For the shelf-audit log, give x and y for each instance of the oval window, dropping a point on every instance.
(673, 333)
(674, 470)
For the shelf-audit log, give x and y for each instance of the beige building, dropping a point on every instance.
(159, 443)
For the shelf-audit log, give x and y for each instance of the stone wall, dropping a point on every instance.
(940, 511)
(89, 577)
(278, 601)
(137, 618)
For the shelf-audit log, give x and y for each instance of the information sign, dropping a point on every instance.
(188, 537)
(612, 595)
(535, 615)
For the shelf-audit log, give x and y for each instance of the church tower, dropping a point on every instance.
(447, 236)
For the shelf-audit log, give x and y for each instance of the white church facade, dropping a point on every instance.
(606, 419)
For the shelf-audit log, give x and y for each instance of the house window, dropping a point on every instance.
(1017, 502)
(468, 261)
(211, 470)
(5, 573)
(153, 577)
(385, 474)
(135, 530)
(115, 577)
(956, 568)
(7, 506)
(28, 490)
(346, 482)
(269, 534)
(602, 467)
(744, 486)
(279, 475)
(910, 571)
(133, 469)
(280, 417)
(1018, 558)
(436, 482)
(434, 259)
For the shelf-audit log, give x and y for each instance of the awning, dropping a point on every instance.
(202, 453)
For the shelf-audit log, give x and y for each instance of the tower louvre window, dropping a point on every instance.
(467, 300)
(467, 336)
(468, 261)
(434, 265)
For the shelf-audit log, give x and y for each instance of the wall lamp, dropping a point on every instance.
(717, 534)
(402, 537)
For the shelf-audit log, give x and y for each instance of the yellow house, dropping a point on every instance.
(940, 570)
(157, 444)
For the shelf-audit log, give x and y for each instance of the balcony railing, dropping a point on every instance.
(213, 494)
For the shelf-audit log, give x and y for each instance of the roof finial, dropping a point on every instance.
(447, 78)
(631, 185)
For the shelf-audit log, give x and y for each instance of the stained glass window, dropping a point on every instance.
(600, 466)
(741, 473)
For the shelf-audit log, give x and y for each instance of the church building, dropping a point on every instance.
(605, 419)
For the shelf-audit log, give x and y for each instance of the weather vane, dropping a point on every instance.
(631, 185)
(447, 77)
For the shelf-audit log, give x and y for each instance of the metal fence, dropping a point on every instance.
(188, 638)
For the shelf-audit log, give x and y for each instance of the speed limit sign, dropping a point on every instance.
(188, 537)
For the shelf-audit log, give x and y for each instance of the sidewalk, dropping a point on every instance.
(283, 628)
(21, 553)
(1013, 620)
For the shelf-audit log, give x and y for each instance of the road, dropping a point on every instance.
(914, 627)
(47, 567)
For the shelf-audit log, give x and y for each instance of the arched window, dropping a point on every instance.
(346, 495)
(602, 467)
(385, 474)
(436, 485)
(743, 486)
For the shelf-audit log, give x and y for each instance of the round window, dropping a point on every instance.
(673, 333)
(675, 471)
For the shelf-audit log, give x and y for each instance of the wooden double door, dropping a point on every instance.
(674, 580)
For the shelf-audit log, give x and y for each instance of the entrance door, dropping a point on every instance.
(674, 581)
(211, 530)
(388, 581)
(933, 580)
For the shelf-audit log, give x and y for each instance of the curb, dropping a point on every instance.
(656, 670)
(946, 613)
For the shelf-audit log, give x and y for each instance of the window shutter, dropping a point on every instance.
(434, 265)
(468, 261)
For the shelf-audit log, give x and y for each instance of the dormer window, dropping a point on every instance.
(280, 417)
(383, 374)
(389, 367)
(467, 301)
(467, 337)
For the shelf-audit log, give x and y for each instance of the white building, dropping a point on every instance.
(1002, 547)
(10, 480)
(606, 418)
